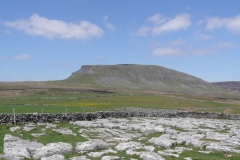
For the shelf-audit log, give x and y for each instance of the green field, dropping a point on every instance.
(111, 101)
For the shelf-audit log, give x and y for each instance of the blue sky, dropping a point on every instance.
(48, 40)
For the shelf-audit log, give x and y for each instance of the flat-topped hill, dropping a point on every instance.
(140, 77)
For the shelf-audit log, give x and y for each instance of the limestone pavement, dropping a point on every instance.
(119, 138)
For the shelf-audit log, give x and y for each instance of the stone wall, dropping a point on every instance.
(7, 119)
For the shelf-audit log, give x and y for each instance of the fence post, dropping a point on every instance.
(42, 110)
(14, 116)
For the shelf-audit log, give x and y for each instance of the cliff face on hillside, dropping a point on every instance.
(141, 77)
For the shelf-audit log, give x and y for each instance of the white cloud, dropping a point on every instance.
(143, 31)
(22, 57)
(215, 22)
(108, 25)
(181, 21)
(157, 19)
(177, 42)
(49, 28)
(167, 51)
(170, 51)
(232, 24)
(203, 36)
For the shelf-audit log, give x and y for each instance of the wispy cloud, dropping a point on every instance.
(157, 19)
(41, 26)
(203, 36)
(181, 48)
(143, 31)
(22, 57)
(173, 51)
(108, 24)
(232, 24)
(223, 45)
(167, 51)
(177, 42)
(181, 21)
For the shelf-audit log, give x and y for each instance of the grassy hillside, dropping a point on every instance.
(140, 77)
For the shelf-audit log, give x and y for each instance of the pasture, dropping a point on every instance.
(90, 102)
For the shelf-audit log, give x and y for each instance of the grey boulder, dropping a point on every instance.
(91, 145)
(54, 157)
(17, 147)
(150, 156)
(52, 149)
(128, 145)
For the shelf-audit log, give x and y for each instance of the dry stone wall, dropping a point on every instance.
(7, 119)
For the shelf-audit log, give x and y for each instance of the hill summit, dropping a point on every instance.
(139, 77)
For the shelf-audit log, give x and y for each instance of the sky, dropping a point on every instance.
(48, 40)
